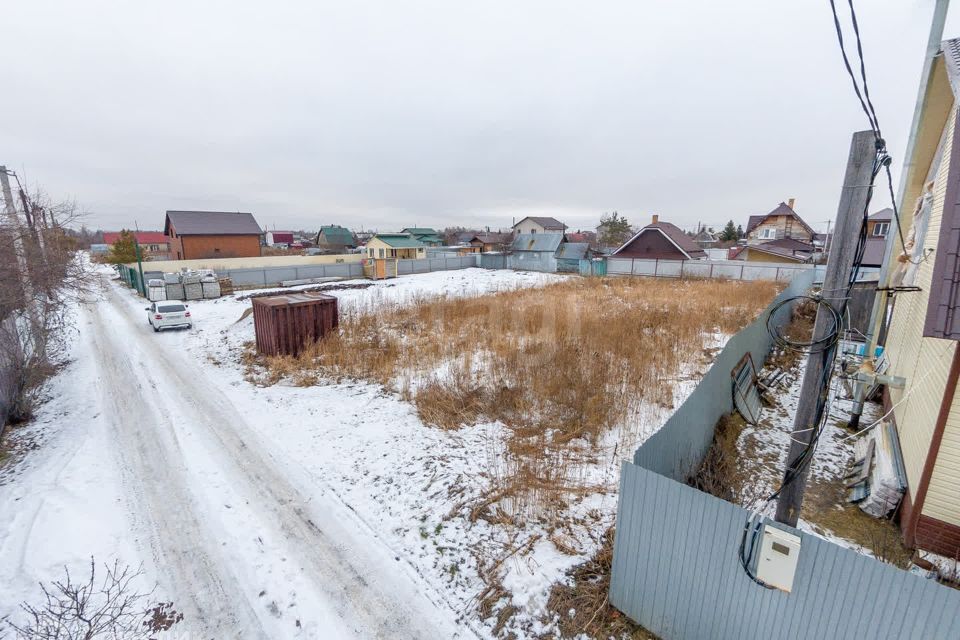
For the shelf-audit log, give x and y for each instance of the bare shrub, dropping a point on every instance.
(579, 607)
(111, 607)
(40, 271)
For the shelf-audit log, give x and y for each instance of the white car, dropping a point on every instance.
(167, 314)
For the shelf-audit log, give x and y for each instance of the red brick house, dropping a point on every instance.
(212, 234)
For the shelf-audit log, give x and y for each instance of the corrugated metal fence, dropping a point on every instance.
(676, 569)
(677, 449)
(732, 269)
(676, 572)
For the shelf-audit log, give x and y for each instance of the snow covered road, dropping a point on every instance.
(247, 546)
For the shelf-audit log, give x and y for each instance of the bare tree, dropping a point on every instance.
(41, 271)
(111, 608)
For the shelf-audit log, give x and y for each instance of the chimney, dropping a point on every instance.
(790, 202)
(656, 219)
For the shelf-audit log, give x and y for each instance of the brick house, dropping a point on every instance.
(212, 234)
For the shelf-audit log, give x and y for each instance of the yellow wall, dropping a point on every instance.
(248, 263)
(760, 256)
(375, 244)
(924, 362)
(943, 494)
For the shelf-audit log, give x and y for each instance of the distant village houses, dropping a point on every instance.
(154, 245)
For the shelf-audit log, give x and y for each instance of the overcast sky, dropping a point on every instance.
(397, 113)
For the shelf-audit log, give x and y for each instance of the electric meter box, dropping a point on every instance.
(777, 559)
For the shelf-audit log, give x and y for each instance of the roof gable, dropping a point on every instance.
(548, 223)
(398, 240)
(684, 243)
(537, 242)
(335, 234)
(212, 223)
(783, 209)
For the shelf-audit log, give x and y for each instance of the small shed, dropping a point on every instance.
(285, 324)
(535, 251)
(570, 254)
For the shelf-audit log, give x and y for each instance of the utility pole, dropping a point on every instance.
(853, 202)
(826, 242)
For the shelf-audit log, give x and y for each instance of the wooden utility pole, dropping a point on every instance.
(853, 202)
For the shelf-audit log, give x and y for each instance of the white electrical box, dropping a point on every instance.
(777, 560)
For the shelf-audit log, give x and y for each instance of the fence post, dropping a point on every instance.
(682, 262)
(741, 270)
(711, 271)
(656, 266)
(633, 266)
(776, 277)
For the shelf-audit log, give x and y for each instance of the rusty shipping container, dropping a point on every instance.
(286, 324)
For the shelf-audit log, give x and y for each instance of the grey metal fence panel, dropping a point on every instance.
(404, 267)
(493, 261)
(644, 267)
(677, 449)
(670, 268)
(619, 266)
(675, 571)
(246, 277)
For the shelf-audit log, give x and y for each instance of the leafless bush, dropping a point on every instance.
(40, 270)
(110, 608)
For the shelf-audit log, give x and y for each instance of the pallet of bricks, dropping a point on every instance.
(191, 285)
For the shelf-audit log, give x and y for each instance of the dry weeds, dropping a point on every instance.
(579, 608)
(560, 364)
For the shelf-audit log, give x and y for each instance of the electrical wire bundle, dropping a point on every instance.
(833, 303)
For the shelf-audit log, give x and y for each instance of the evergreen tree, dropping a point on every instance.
(614, 230)
(740, 233)
(729, 232)
(124, 250)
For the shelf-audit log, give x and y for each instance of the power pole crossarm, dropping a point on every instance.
(853, 202)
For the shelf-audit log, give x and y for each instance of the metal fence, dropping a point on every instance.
(676, 572)
(250, 278)
(520, 261)
(732, 269)
(677, 449)
(676, 569)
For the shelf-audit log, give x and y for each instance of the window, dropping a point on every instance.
(371, 252)
(533, 230)
(767, 233)
(881, 228)
(393, 253)
(381, 253)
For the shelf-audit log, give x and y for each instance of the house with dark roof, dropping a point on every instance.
(335, 239)
(425, 235)
(400, 245)
(490, 241)
(782, 222)
(538, 224)
(212, 234)
(662, 241)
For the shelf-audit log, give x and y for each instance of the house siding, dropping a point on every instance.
(759, 256)
(530, 226)
(651, 244)
(943, 494)
(779, 225)
(924, 362)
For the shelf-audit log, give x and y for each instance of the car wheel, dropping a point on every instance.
(156, 329)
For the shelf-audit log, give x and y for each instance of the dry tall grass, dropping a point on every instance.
(560, 365)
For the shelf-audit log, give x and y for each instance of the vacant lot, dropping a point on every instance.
(563, 366)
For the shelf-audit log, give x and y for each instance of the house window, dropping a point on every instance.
(393, 253)
(767, 233)
(881, 228)
(381, 253)
(370, 251)
(533, 230)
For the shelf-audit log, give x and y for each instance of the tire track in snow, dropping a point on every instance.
(355, 572)
(160, 502)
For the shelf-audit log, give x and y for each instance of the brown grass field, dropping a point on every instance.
(560, 365)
